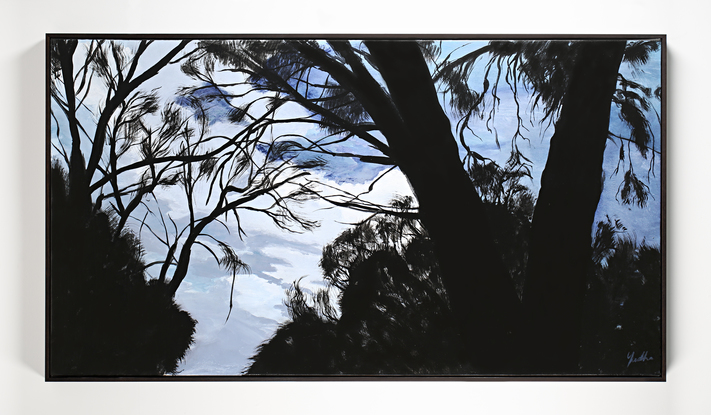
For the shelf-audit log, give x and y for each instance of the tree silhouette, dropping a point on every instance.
(106, 320)
(350, 103)
(576, 83)
(139, 147)
(371, 89)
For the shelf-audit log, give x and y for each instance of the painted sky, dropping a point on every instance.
(277, 259)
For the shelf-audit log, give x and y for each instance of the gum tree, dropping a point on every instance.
(385, 94)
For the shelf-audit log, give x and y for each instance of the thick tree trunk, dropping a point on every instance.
(480, 290)
(571, 184)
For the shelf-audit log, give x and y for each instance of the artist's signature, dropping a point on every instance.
(641, 358)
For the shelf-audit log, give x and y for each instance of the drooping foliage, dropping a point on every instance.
(542, 70)
(106, 319)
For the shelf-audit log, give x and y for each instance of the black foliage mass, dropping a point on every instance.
(394, 316)
(106, 320)
(622, 306)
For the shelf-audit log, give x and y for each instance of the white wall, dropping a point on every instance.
(23, 24)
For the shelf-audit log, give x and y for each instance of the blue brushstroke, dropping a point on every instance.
(211, 101)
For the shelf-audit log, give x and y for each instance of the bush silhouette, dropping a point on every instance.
(394, 315)
(106, 319)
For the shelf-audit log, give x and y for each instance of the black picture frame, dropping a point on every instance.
(57, 252)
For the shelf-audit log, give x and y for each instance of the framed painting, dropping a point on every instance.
(355, 207)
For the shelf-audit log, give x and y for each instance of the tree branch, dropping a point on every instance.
(123, 89)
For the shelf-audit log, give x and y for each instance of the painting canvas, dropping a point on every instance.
(355, 207)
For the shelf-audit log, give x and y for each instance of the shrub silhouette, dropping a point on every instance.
(106, 319)
(391, 322)
(394, 314)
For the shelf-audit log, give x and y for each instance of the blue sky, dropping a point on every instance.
(277, 259)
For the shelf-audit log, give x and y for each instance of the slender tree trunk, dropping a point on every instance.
(571, 184)
(78, 184)
(480, 289)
